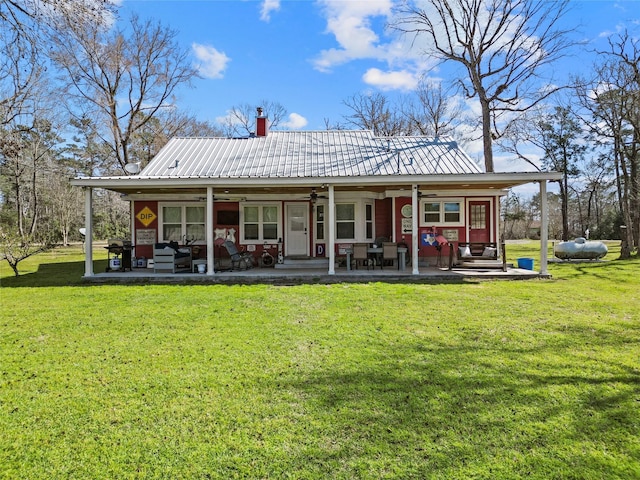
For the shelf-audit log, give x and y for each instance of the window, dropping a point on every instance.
(345, 221)
(368, 221)
(260, 223)
(431, 212)
(444, 212)
(478, 217)
(320, 222)
(451, 212)
(182, 222)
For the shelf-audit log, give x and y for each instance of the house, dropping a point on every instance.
(312, 194)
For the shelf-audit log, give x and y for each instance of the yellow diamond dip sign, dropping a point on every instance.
(146, 216)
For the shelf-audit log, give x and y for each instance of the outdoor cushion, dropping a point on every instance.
(489, 252)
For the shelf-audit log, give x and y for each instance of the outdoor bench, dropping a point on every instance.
(477, 255)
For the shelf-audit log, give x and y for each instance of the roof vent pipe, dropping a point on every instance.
(262, 124)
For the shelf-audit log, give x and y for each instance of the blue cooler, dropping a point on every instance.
(525, 263)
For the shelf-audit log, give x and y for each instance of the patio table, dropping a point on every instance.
(378, 251)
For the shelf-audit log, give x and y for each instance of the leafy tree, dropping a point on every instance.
(560, 135)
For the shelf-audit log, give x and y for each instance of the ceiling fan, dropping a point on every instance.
(313, 196)
(216, 198)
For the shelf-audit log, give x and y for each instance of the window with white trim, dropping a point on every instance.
(345, 221)
(320, 222)
(368, 221)
(182, 222)
(441, 212)
(260, 223)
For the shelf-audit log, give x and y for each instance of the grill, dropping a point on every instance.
(116, 249)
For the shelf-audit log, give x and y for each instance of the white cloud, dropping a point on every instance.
(212, 63)
(268, 6)
(398, 80)
(350, 23)
(295, 122)
(359, 31)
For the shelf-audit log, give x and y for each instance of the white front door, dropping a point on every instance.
(297, 239)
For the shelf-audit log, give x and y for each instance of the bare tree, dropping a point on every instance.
(24, 29)
(502, 44)
(123, 77)
(26, 153)
(433, 112)
(20, 69)
(240, 120)
(147, 141)
(329, 125)
(376, 112)
(52, 13)
(14, 249)
(66, 203)
(613, 100)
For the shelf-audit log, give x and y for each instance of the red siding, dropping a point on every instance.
(144, 250)
(383, 226)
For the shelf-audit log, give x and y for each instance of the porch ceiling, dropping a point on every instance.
(248, 186)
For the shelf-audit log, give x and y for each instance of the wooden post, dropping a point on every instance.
(88, 226)
(210, 223)
(332, 231)
(415, 208)
(544, 228)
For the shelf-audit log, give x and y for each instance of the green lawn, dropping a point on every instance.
(494, 380)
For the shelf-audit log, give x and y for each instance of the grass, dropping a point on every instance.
(506, 379)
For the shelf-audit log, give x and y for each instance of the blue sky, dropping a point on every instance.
(311, 55)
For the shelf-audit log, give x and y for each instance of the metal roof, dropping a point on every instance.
(309, 154)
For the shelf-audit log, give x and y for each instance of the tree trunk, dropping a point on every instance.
(487, 140)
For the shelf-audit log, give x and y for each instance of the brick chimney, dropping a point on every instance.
(262, 124)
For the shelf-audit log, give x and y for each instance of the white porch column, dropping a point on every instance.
(88, 227)
(332, 231)
(414, 230)
(544, 227)
(209, 223)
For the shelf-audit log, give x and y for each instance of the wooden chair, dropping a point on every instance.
(361, 253)
(390, 253)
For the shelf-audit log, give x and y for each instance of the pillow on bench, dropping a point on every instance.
(489, 252)
(465, 251)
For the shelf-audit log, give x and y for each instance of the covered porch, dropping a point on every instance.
(301, 275)
(335, 251)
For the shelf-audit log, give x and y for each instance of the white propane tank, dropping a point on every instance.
(114, 263)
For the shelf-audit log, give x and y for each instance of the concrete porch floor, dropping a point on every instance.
(282, 276)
